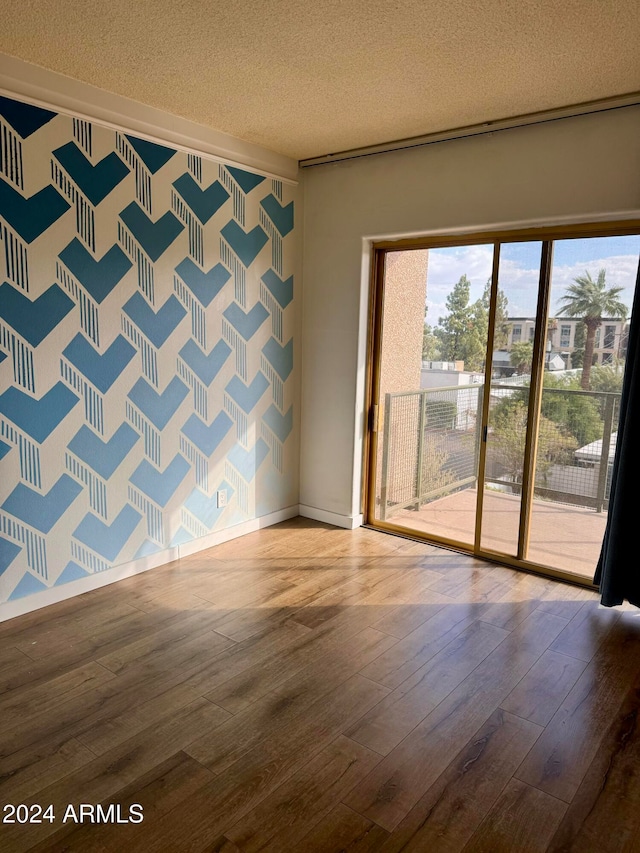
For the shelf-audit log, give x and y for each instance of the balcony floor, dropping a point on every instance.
(562, 537)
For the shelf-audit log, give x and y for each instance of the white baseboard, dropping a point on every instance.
(21, 606)
(238, 530)
(338, 520)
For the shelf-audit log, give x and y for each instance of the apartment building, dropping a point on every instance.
(610, 340)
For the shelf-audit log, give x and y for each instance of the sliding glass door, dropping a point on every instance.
(580, 399)
(495, 384)
(508, 397)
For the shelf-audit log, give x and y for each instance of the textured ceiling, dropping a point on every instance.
(307, 79)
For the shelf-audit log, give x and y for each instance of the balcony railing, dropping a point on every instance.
(431, 445)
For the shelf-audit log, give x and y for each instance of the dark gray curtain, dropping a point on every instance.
(618, 571)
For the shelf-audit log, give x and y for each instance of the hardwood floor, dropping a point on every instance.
(307, 688)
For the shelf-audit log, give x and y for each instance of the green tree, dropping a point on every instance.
(607, 377)
(521, 356)
(462, 333)
(509, 428)
(430, 350)
(574, 413)
(577, 356)
(501, 329)
(591, 301)
(452, 329)
(435, 474)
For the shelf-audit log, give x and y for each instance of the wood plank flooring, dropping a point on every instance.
(307, 688)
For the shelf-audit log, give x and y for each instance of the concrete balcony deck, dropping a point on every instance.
(562, 537)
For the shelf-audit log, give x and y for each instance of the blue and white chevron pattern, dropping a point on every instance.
(146, 347)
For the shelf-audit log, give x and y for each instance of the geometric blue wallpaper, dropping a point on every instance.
(146, 347)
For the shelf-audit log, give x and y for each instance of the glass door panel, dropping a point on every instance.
(509, 396)
(580, 402)
(496, 395)
(435, 310)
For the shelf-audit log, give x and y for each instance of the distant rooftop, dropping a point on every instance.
(593, 452)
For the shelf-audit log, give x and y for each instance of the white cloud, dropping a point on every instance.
(621, 272)
(447, 266)
(520, 284)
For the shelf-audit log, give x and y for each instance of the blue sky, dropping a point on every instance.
(520, 270)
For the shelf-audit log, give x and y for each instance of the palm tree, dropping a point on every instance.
(590, 301)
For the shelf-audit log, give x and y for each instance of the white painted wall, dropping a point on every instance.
(567, 171)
